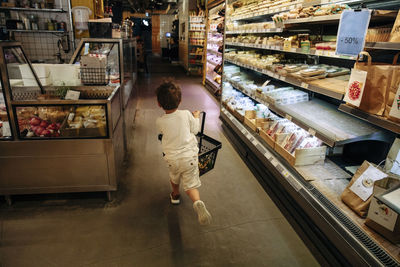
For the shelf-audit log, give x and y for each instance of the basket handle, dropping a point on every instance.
(202, 122)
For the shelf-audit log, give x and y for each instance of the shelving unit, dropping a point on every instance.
(39, 31)
(215, 38)
(311, 193)
(60, 10)
(196, 44)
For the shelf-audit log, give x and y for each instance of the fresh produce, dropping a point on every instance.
(43, 128)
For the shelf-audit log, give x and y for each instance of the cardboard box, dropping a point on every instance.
(303, 156)
(381, 217)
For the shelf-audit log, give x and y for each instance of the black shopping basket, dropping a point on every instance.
(208, 149)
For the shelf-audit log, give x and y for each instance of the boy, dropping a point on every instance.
(180, 149)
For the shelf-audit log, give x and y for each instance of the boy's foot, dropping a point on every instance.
(204, 216)
(175, 199)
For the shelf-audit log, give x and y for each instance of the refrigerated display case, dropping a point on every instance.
(295, 132)
(213, 51)
(120, 69)
(63, 138)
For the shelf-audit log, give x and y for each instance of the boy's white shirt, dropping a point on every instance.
(179, 129)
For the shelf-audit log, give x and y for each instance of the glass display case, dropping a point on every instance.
(64, 138)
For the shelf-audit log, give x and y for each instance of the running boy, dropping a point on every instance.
(179, 145)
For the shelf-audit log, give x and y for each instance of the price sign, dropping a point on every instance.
(352, 31)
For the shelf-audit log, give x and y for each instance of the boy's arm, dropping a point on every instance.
(194, 120)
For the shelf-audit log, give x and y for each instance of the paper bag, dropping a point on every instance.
(378, 81)
(392, 92)
(395, 33)
(392, 163)
(354, 201)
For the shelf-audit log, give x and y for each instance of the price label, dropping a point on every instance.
(324, 2)
(312, 131)
(304, 85)
(288, 117)
(352, 31)
(319, 52)
(293, 50)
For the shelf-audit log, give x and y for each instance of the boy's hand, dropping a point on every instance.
(196, 114)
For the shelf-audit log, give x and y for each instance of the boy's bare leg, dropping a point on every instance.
(193, 194)
(175, 188)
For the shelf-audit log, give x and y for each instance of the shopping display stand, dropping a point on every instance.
(309, 196)
(64, 159)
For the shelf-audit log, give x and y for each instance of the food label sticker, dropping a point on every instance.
(395, 109)
(352, 30)
(364, 185)
(355, 87)
(304, 85)
(72, 95)
(288, 117)
(312, 131)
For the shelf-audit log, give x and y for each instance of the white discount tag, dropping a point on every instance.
(364, 185)
(355, 88)
(395, 109)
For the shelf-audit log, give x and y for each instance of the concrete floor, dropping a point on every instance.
(140, 227)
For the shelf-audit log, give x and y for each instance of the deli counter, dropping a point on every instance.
(63, 128)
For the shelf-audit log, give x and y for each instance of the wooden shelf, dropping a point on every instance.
(272, 30)
(373, 119)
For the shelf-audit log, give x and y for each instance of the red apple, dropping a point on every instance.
(44, 124)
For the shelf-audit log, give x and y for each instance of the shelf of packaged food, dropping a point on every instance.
(266, 13)
(214, 52)
(330, 125)
(214, 85)
(328, 18)
(271, 30)
(376, 120)
(314, 52)
(196, 30)
(382, 45)
(333, 92)
(335, 213)
(37, 31)
(57, 10)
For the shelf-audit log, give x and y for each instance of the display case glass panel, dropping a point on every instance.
(62, 121)
(5, 129)
(99, 63)
(22, 81)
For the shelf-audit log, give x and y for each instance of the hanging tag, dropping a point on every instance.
(355, 87)
(364, 185)
(395, 109)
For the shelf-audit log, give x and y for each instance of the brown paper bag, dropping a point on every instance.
(395, 33)
(392, 90)
(378, 80)
(351, 199)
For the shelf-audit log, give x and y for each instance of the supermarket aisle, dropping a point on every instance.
(140, 227)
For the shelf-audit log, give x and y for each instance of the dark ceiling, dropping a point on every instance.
(140, 6)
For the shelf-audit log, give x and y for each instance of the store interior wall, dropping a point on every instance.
(183, 14)
(165, 26)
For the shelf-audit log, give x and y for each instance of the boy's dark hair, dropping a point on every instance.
(169, 95)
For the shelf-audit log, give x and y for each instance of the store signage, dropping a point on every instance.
(353, 28)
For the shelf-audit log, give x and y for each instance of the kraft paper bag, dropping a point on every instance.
(352, 200)
(378, 82)
(395, 33)
(392, 91)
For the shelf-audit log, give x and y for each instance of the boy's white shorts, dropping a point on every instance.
(185, 171)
